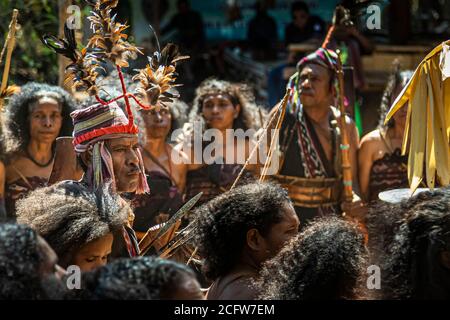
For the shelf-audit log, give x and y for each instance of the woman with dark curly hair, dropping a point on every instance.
(148, 278)
(381, 165)
(326, 261)
(77, 223)
(238, 231)
(28, 269)
(165, 177)
(410, 241)
(225, 107)
(34, 118)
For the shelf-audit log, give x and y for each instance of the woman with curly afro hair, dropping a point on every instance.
(34, 118)
(223, 108)
(28, 269)
(77, 223)
(410, 241)
(237, 232)
(144, 278)
(381, 165)
(326, 261)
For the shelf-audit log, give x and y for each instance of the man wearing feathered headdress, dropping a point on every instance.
(106, 143)
(105, 138)
(311, 163)
(107, 146)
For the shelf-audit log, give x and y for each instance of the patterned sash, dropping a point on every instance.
(312, 162)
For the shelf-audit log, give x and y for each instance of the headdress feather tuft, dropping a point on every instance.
(159, 76)
(82, 72)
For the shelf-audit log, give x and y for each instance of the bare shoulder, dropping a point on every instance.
(371, 145)
(372, 138)
(16, 162)
(239, 288)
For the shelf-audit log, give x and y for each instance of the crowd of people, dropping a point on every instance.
(110, 211)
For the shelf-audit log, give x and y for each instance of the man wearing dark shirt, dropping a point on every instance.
(303, 26)
(262, 34)
(189, 26)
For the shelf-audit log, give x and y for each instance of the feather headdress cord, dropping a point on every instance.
(427, 128)
(5, 90)
(341, 17)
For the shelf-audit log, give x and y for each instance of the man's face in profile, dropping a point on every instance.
(124, 153)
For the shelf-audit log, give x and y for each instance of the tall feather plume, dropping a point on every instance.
(108, 39)
(341, 18)
(159, 76)
(82, 72)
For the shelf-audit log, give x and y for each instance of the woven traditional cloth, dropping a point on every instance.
(313, 166)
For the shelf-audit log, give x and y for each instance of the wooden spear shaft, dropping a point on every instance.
(345, 151)
(10, 40)
(272, 145)
(345, 145)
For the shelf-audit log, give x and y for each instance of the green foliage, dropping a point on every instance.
(31, 60)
